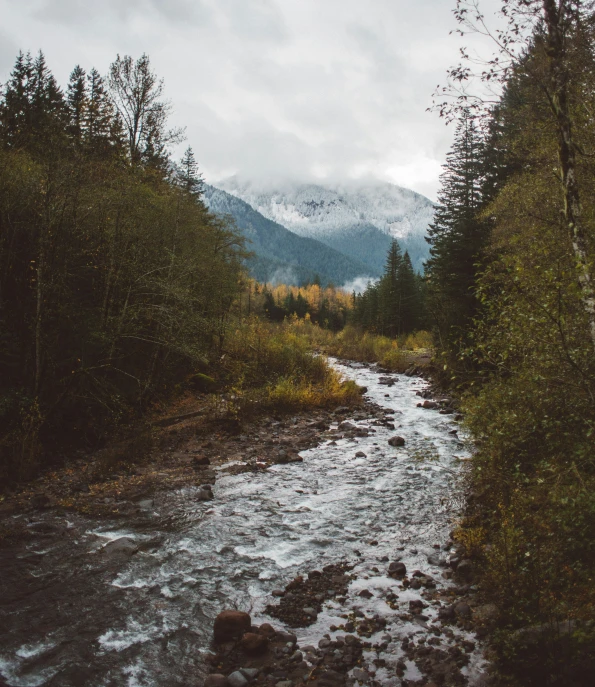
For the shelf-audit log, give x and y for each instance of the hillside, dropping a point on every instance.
(280, 254)
(357, 218)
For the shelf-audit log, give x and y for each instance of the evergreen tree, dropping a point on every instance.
(457, 236)
(15, 110)
(189, 177)
(102, 129)
(77, 103)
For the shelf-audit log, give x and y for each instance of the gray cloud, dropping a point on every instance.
(290, 88)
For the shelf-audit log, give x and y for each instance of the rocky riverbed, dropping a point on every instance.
(333, 540)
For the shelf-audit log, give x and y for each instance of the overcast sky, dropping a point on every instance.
(291, 88)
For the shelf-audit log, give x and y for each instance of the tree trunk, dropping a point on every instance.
(558, 20)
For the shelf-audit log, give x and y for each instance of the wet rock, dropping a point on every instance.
(447, 613)
(216, 680)
(429, 405)
(204, 494)
(267, 630)
(231, 625)
(250, 673)
(396, 441)
(360, 454)
(124, 546)
(236, 679)
(397, 569)
(278, 593)
(254, 644)
(463, 610)
(436, 559)
(200, 461)
(464, 570)
(366, 594)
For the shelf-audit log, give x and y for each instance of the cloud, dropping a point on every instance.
(295, 88)
(359, 284)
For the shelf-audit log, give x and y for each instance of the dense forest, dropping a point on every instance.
(510, 291)
(115, 280)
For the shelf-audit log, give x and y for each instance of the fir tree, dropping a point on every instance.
(457, 236)
(77, 103)
(189, 178)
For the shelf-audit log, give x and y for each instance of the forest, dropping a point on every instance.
(120, 290)
(510, 294)
(114, 278)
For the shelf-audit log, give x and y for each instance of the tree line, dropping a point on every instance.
(510, 292)
(393, 305)
(115, 280)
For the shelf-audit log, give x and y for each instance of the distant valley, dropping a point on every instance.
(340, 232)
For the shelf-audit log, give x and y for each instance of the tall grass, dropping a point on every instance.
(271, 366)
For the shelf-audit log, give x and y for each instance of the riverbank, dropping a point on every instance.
(115, 589)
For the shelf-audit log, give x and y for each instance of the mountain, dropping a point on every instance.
(281, 255)
(357, 218)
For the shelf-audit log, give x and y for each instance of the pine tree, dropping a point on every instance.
(409, 298)
(189, 178)
(15, 112)
(77, 103)
(457, 236)
(102, 130)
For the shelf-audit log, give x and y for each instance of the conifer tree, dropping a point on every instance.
(77, 103)
(456, 235)
(102, 129)
(189, 178)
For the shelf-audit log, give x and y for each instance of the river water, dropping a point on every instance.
(72, 616)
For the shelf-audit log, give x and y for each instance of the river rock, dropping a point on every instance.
(231, 625)
(397, 569)
(429, 405)
(267, 630)
(200, 461)
(236, 679)
(463, 610)
(360, 454)
(216, 680)
(204, 494)
(436, 559)
(254, 644)
(396, 441)
(464, 570)
(124, 546)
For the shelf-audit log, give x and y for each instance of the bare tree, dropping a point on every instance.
(137, 95)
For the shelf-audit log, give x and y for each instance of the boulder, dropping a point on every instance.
(396, 441)
(254, 644)
(436, 559)
(397, 569)
(237, 679)
(124, 546)
(463, 610)
(200, 461)
(267, 630)
(231, 625)
(429, 405)
(464, 570)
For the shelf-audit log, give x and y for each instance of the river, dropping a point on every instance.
(71, 616)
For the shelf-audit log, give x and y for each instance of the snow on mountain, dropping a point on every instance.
(338, 213)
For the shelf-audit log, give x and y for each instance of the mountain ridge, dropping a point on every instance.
(279, 253)
(359, 219)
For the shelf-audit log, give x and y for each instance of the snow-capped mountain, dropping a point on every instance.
(342, 214)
